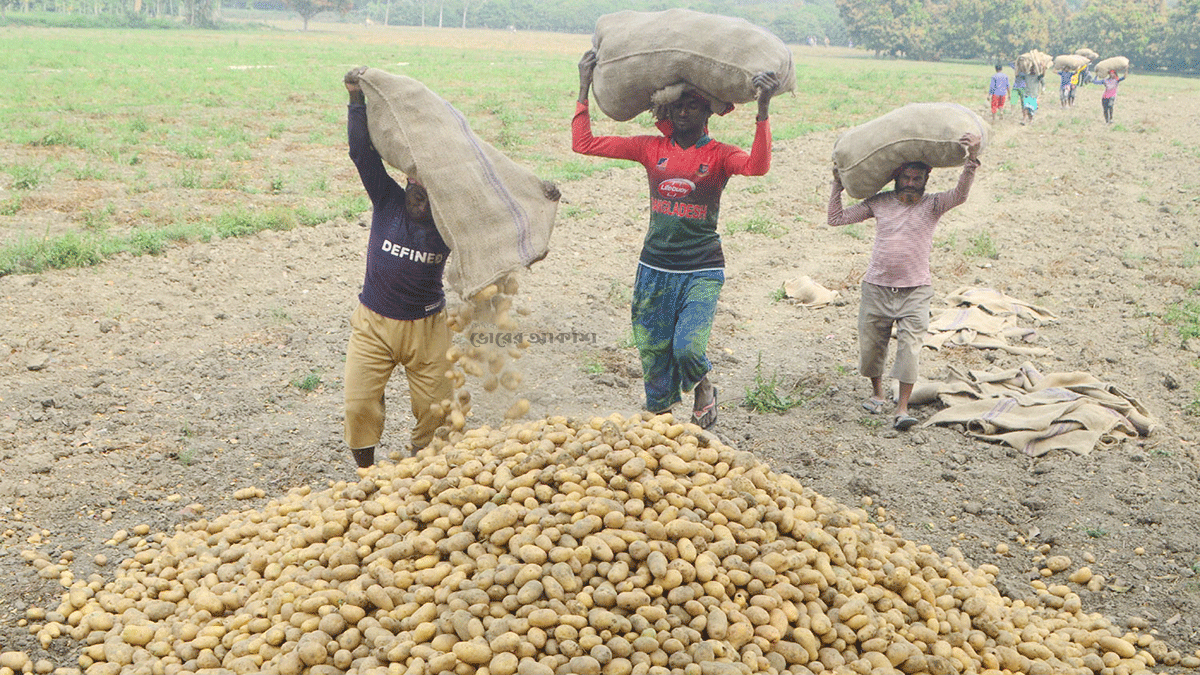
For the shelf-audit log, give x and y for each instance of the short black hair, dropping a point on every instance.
(999, 67)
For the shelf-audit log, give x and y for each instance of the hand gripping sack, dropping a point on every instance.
(646, 59)
(868, 155)
(491, 212)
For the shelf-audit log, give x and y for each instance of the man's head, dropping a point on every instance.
(999, 67)
(690, 112)
(416, 201)
(910, 181)
(1112, 73)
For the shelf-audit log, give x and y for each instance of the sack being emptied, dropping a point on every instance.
(491, 211)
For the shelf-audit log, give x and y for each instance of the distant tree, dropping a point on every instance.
(307, 9)
(1181, 44)
(1133, 28)
(906, 28)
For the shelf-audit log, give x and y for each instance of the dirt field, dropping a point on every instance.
(146, 391)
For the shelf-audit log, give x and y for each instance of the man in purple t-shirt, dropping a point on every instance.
(401, 317)
(998, 90)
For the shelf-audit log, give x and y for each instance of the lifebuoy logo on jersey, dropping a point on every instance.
(676, 188)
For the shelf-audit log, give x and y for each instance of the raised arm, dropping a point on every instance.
(836, 214)
(375, 178)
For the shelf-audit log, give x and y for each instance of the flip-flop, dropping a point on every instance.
(706, 416)
(874, 405)
(904, 422)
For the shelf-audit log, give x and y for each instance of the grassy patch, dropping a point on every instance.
(1185, 315)
(982, 246)
(758, 224)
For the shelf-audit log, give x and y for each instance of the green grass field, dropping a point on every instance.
(125, 140)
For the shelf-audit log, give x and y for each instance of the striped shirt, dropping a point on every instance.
(903, 233)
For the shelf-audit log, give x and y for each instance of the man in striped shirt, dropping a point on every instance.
(897, 287)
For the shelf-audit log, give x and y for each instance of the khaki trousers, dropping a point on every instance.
(379, 344)
(879, 309)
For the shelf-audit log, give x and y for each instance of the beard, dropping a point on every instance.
(909, 195)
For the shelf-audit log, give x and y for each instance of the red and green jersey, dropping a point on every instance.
(685, 188)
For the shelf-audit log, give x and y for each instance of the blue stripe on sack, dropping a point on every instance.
(520, 217)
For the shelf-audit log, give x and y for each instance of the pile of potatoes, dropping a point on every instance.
(607, 546)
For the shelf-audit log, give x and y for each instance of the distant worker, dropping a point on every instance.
(1077, 78)
(682, 265)
(998, 91)
(1109, 99)
(1066, 87)
(897, 287)
(1020, 90)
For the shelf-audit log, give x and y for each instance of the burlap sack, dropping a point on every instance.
(1117, 63)
(491, 212)
(1034, 62)
(650, 58)
(1084, 51)
(1070, 62)
(867, 155)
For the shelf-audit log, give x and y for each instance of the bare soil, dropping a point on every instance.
(148, 390)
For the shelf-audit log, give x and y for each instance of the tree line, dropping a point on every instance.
(1154, 34)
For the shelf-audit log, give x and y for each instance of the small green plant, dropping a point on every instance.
(1095, 532)
(983, 247)
(778, 294)
(758, 224)
(947, 243)
(10, 206)
(276, 130)
(276, 184)
(99, 220)
(25, 176)
(309, 382)
(188, 178)
(627, 342)
(764, 396)
(280, 315)
(186, 456)
(1185, 315)
(1193, 406)
(593, 366)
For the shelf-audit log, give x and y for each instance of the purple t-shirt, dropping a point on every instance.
(405, 258)
(999, 85)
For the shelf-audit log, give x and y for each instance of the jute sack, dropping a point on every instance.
(867, 156)
(1071, 62)
(1117, 63)
(644, 59)
(1090, 54)
(491, 212)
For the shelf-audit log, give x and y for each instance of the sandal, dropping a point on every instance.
(706, 416)
(904, 422)
(874, 405)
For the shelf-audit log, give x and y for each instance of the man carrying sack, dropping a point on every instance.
(681, 268)
(897, 287)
